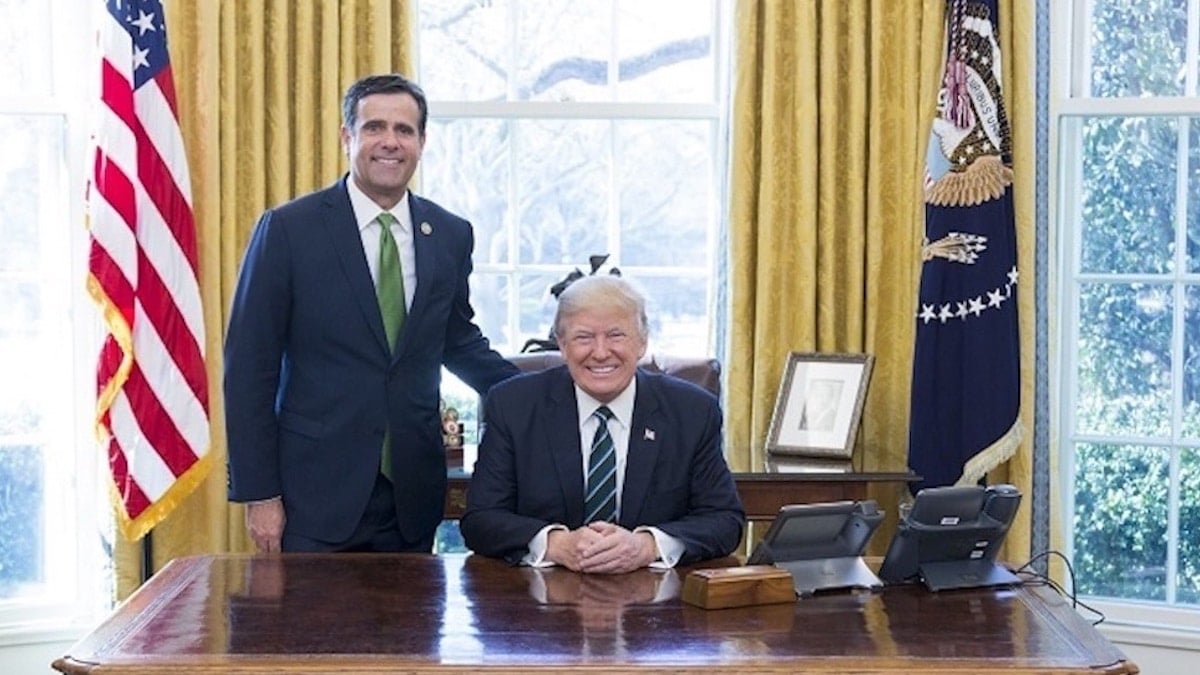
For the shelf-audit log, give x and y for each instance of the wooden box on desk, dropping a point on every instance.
(721, 587)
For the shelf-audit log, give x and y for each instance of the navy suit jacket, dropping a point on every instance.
(529, 473)
(310, 383)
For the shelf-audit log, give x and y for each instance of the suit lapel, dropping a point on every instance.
(347, 244)
(644, 445)
(562, 438)
(426, 238)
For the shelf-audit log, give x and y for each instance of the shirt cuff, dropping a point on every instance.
(670, 549)
(536, 557)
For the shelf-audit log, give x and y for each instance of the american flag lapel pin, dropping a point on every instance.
(648, 435)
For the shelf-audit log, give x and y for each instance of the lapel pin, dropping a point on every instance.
(426, 229)
(648, 435)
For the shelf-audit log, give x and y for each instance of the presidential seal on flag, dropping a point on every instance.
(966, 361)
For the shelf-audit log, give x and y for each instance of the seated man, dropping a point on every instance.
(595, 465)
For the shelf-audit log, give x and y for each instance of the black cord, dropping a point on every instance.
(1028, 572)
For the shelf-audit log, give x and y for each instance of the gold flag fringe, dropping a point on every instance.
(992, 456)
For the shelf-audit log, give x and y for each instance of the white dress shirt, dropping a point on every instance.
(670, 549)
(365, 213)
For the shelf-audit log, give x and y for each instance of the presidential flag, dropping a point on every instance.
(152, 391)
(966, 364)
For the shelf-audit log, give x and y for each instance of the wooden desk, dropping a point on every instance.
(762, 493)
(357, 613)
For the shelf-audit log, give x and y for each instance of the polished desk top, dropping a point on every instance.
(305, 613)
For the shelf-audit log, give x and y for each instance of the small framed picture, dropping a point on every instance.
(819, 406)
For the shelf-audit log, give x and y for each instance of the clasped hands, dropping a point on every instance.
(601, 548)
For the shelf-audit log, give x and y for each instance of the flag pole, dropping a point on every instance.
(147, 556)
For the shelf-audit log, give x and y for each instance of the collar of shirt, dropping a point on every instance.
(365, 213)
(621, 406)
(366, 210)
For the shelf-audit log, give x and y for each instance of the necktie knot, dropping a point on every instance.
(603, 414)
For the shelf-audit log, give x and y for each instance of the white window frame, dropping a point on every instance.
(1148, 623)
(78, 585)
(716, 112)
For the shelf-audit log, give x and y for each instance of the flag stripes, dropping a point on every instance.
(152, 387)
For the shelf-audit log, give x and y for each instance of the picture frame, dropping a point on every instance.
(819, 405)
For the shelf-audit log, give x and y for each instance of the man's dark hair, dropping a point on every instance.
(382, 84)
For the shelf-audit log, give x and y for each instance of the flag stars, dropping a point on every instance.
(144, 22)
(141, 58)
(961, 310)
(945, 314)
(995, 298)
(1013, 275)
(927, 314)
(976, 307)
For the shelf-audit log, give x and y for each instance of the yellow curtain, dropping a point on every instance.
(832, 106)
(259, 87)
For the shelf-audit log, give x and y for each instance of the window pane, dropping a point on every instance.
(568, 50)
(1191, 363)
(1124, 356)
(665, 50)
(462, 49)
(25, 57)
(537, 304)
(1120, 521)
(1129, 175)
(678, 312)
(465, 168)
(1138, 47)
(22, 526)
(1189, 528)
(563, 49)
(489, 298)
(562, 187)
(1192, 245)
(666, 191)
(31, 332)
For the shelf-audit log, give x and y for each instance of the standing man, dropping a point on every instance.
(349, 301)
(597, 466)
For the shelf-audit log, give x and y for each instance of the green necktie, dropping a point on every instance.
(390, 287)
(390, 290)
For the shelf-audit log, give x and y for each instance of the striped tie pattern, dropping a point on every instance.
(601, 500)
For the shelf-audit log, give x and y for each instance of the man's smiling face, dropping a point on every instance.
(602, 346)
(385, 146)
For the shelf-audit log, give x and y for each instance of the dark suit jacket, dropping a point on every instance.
(530, 468)
(310, 384)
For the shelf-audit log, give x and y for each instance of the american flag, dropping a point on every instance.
(152, 391)
(966, 365)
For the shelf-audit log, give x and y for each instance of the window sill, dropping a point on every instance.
(42, 632)
(1149, 625)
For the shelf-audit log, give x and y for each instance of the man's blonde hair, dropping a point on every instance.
(602, 292)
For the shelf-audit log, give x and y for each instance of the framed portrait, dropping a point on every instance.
(819, 405)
